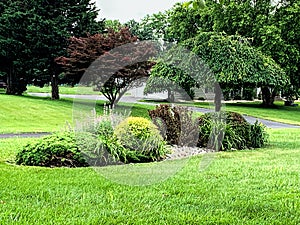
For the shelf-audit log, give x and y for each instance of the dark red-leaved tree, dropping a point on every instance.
(112, 62)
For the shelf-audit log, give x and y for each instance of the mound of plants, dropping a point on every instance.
(56, 150)
(141, 140)
(229, 130)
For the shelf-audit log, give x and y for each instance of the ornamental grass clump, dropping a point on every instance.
(230, 131)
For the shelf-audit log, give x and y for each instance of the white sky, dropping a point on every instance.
(125, 10)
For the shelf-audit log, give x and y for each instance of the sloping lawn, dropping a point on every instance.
(78, 90)
(30, 114)
(20, 114)
(244, 187)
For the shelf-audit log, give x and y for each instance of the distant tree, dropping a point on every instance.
(151, 27)
(112, 61)
(112, 24)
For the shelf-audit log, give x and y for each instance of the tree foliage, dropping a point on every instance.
(33, 33)
(112, 61)
(231, 60)
(269, 28)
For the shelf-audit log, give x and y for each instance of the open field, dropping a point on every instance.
(245, 187)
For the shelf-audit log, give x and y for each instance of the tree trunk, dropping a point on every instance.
(171, 97)
(268, 97)
(10, 88)
(218, 97)
(54, 87)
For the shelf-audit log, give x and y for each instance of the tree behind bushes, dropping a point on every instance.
(112, 62)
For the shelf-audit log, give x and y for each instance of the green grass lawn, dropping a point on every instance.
(35, 114)
(78, 90)
(30, 114)
(244, 187)
(281, 113)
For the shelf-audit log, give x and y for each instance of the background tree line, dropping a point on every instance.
(269, 28)
(261, 38)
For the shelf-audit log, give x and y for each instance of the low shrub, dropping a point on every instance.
(56, 150)
(176, 124)
(226, 131)
(141, 140)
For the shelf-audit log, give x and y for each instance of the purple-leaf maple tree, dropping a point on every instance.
(112, 62)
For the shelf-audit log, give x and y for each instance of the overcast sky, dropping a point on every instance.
(124, 10)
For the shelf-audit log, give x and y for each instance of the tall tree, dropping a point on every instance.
(13, 25)
(151, 27)
(287, 17)
(42, 28)
(271, 28)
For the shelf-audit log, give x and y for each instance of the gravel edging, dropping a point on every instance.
(179, 152)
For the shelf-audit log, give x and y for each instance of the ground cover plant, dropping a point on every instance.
(55, 150)
(249, 187)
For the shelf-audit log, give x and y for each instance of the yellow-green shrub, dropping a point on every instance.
(142, 140)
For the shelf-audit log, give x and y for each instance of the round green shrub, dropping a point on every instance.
(56, 150)
(141, 139)
(229, 130)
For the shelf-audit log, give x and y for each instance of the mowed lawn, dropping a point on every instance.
(242, 187)
(259, 186)
(280, 113)
(77, 90)
(30, 114)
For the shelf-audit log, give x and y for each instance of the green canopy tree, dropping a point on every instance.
(13, 25)
(271, 28)
(151, 27)
(232, 60)
(287, 18)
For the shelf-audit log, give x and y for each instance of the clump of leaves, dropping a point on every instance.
(226, 131)
(56, 150)
(141, 139)
(176, 124)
